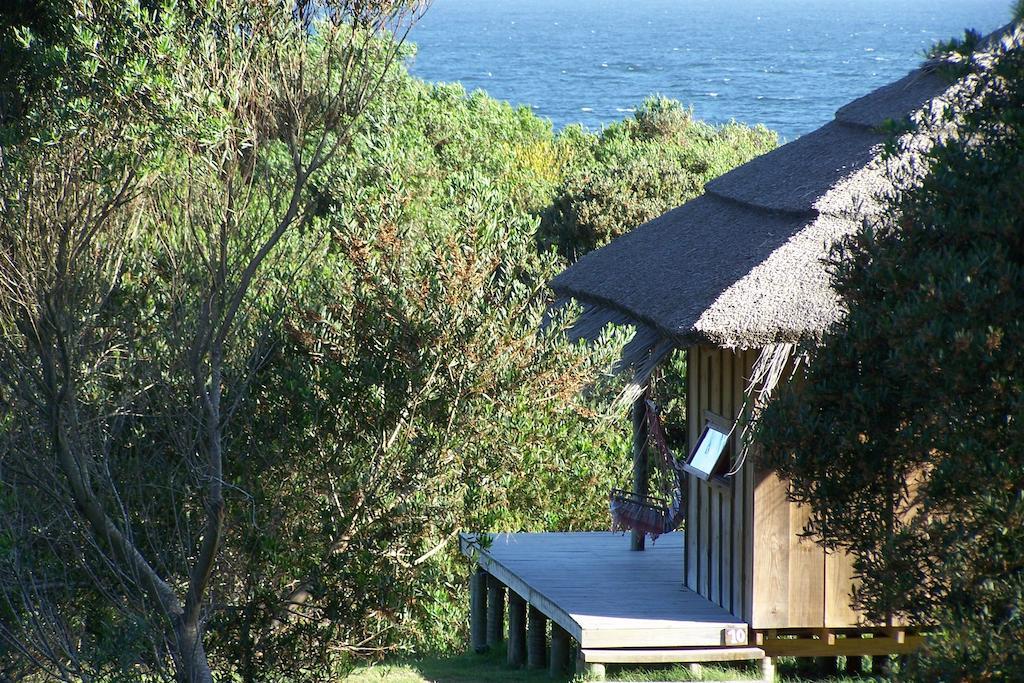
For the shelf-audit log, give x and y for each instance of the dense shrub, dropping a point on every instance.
(923, 383)
(637, 169)
(405, 391)
(411, 390)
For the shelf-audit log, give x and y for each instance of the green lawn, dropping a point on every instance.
(492, 667)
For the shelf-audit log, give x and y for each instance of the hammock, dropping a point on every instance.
(648, 515)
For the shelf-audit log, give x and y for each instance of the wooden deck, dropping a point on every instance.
(604, 594)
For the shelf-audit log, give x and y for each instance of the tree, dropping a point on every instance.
(904, 434)
(197, 156)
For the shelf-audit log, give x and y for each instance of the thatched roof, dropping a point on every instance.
(744, 264)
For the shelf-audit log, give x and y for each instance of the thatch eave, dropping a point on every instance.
(746, 264)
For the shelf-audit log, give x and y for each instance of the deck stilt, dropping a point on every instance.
(478, 610)
(516, 630)
(495, 611)
(559, 665)
(593, 670)
(880, 665)
(536, 639)
(768, 670)
(854, 665)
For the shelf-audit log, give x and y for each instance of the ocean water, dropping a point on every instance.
(788, 64)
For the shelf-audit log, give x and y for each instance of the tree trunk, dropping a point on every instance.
(191, 661)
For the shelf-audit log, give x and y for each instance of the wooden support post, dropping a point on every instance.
(641, 471)
(478, 610)
(559, 664)
(495, 611)
(594, 671)
(768, 670)
(516, 630)
(536, 639)
(880, 665)
(854, 665)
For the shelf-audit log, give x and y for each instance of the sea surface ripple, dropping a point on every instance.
(788, 64)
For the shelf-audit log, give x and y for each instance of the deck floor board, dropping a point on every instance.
(604, 594)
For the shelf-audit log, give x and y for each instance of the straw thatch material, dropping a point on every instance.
(743, 266)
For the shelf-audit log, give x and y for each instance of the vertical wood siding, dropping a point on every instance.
(743, 551)
(718, 520)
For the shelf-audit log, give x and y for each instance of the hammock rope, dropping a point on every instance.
(655, 516)
(648, 515)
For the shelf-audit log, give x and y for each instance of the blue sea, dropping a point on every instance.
(788, 64)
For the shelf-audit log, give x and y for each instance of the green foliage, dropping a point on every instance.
(960, 47)
(904, 436)
(637, 169)
(407, 393)
(413, 381)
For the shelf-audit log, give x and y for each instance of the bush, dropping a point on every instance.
(922, 383)
(638, 169)
(404, 392)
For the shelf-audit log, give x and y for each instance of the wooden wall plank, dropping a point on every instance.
(806, 573)
(693, 431)
(747, 363)
(704, 502)
(715, 546)
(714, 492)
(728, 526)
(771, 552)
(701, 533)
(748, 537)
(740, 503)
(839, 582)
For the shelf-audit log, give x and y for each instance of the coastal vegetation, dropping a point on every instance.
(272, 332)
(275, 327)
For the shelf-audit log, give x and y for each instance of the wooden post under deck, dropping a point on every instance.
(594, 671)
(495, 611)
(559, 650)
(641, 478)
(516, 630)
(478, 610)
(536, 639)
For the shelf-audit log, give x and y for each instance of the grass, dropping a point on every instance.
(489, 667)
(447, 669)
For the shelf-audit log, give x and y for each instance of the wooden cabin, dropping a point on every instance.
(743, 549)
(737, 278)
